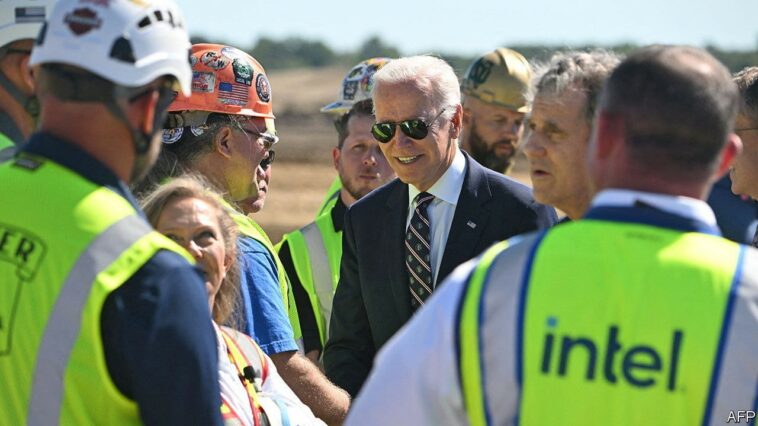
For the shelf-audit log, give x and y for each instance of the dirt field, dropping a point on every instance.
(303, 169)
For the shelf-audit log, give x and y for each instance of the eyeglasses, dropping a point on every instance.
(268, 139)
(415, 128)
(266, 162)
(746, 129)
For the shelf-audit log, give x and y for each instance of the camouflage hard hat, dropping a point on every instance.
(500, 77)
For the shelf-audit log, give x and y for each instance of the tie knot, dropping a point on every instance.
(423, 198)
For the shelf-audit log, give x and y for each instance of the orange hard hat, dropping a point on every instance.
(225, 80)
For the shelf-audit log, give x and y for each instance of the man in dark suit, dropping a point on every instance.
(404, 237)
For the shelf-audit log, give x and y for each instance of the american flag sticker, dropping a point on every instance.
(30, 14)
(233, 94)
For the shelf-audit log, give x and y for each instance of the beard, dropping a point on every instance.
(353, 190)
(487, 155)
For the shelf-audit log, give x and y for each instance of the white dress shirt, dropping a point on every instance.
(415, 381)
(442, 209)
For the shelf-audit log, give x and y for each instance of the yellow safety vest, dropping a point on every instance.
(316, 252)
(250, 228)
(609, 322)
(331, 197)
(65, 245)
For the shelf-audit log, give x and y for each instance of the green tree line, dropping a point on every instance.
(298, 52)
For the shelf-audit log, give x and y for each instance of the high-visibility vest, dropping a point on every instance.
(248, 227)
(331, 197)
(65, 245)
(599, 322)
(252, 369)
(7, 147)
(316, 251)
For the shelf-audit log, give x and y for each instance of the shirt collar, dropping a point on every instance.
(80, 162)
(448, 186)
(686, 207)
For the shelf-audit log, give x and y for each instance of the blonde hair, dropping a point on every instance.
(194, 186)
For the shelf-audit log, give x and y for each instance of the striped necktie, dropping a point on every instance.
(418, 252)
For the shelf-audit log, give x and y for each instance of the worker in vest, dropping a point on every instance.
(312, 254)
(223, 131)
(639, 313)
(20, 21)
(493, 90)
(356, 87)
(102, 319)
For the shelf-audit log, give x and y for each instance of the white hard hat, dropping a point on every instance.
(356, 86)
(127, 42)
(22, 19)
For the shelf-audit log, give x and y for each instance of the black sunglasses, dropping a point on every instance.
(415, 128)
(266, 162)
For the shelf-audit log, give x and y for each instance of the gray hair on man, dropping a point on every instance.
(747, 83)
(585, 71)
(432, 76)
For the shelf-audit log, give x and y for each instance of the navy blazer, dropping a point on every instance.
(372, 300)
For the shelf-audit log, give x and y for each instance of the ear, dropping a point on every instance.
(142, 110)
(608, 133)
(228, 260)
(25, 72)
(456, 122)
(729, 152)
(336, 157)
(466, 119)
(222, 142)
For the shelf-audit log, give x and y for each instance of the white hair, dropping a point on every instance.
(433, 76)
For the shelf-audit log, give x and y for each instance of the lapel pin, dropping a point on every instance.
(471, 224)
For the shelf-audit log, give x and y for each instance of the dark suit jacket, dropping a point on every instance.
(372, 300)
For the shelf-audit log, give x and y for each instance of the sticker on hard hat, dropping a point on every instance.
(349, 90)
(232, 53)
(103, 3)
(30, 15)
(233, 94)
(199, 130)
(243, 72)
(203, 82)
(480, 72)
(82, 21)
(263, 88)
(172, 135)
(214, 60)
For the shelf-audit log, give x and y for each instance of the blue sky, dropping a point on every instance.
(473, 26)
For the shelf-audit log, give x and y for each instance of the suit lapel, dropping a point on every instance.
(469, 221)
(393, 247)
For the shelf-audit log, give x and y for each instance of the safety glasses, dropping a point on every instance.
(266, 162)
(415, 128)
(268, 139)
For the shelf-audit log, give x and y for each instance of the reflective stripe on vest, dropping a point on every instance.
(63, 326)
(63, 250)
(250, 228)
(610, 323)
(316, 251)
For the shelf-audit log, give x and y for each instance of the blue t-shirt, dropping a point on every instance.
(265, 318)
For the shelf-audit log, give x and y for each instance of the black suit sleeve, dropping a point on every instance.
(308, 325)
(160, 346)
(349, 352)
